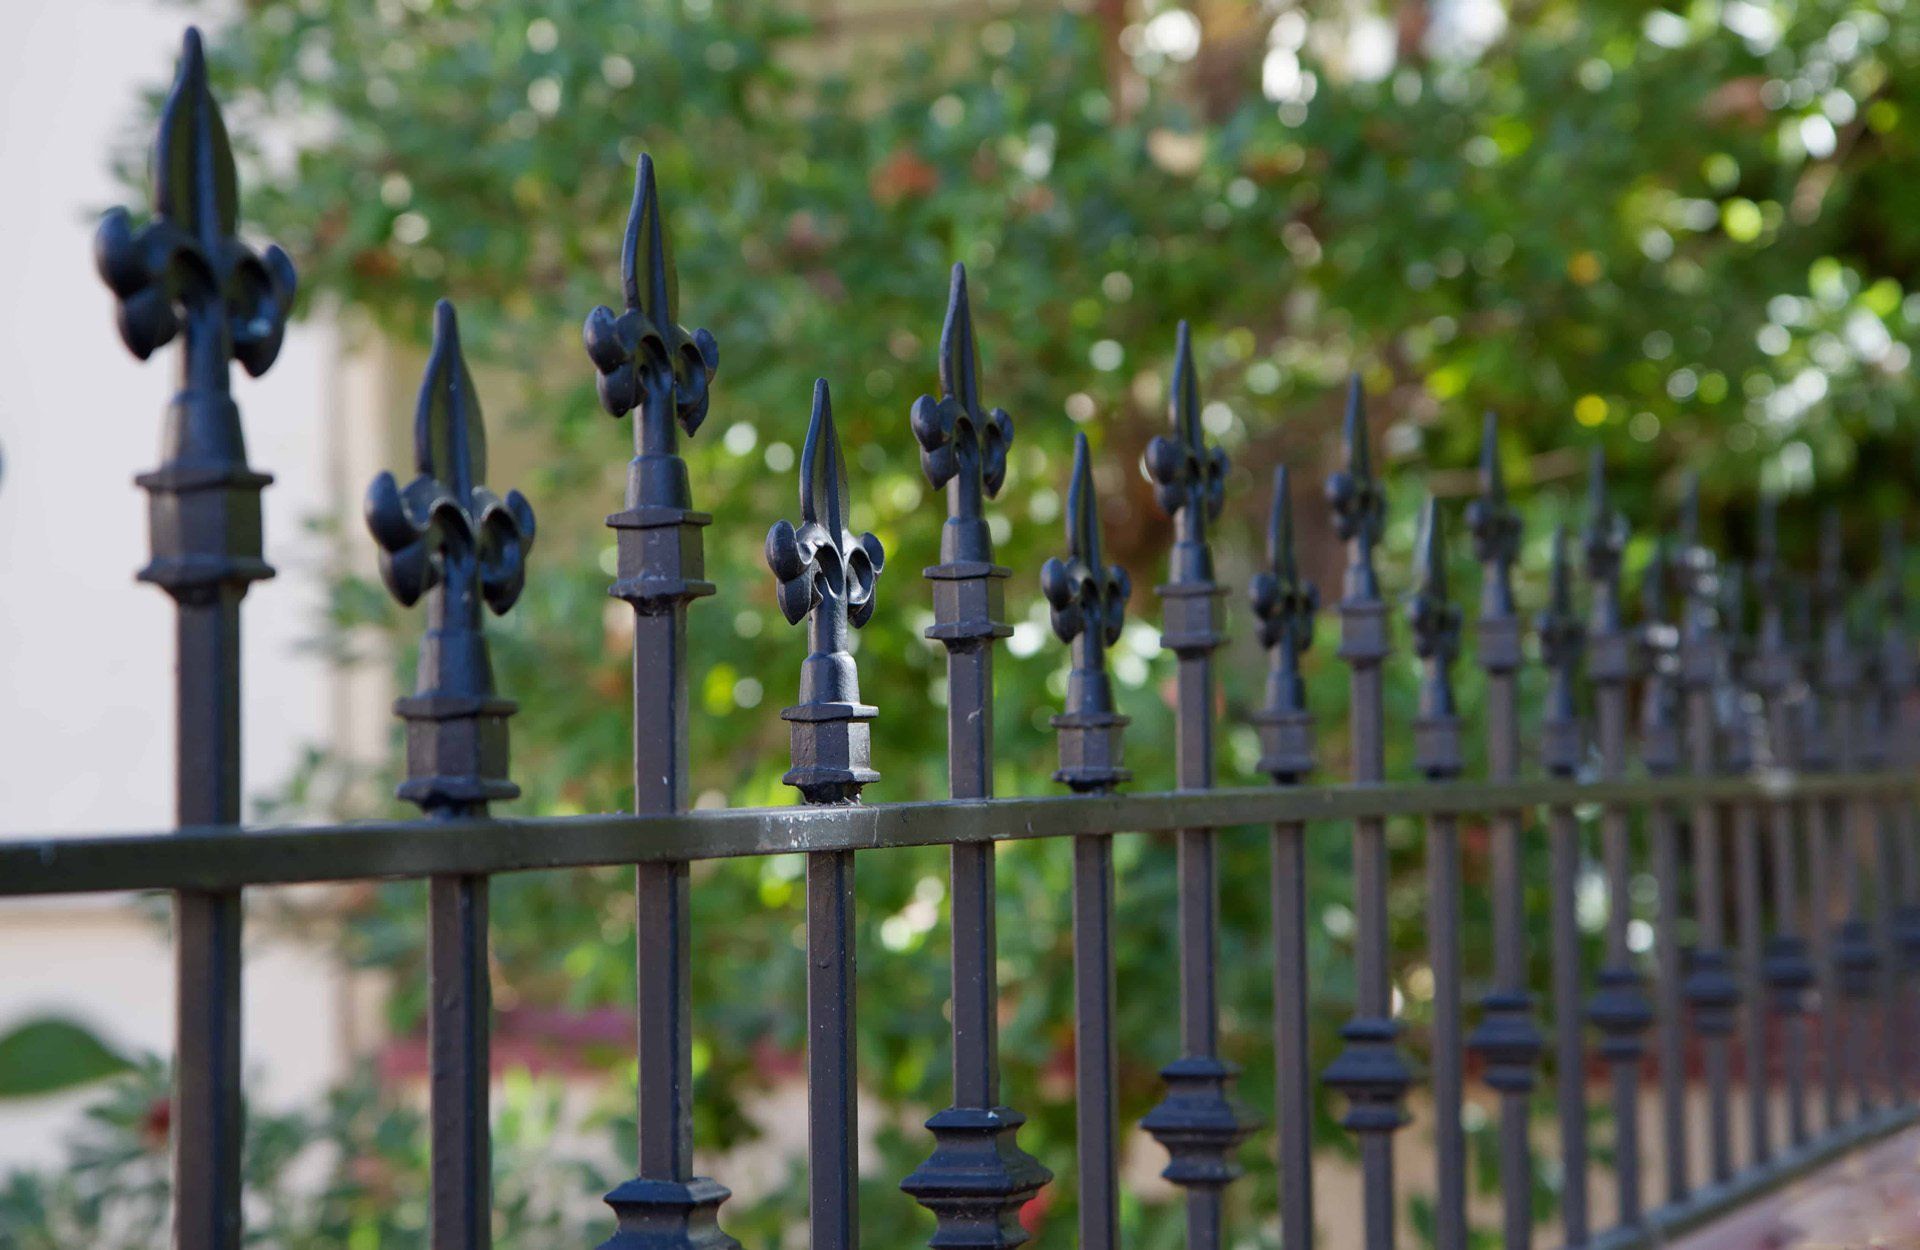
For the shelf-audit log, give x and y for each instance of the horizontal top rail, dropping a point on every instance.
(231, 857)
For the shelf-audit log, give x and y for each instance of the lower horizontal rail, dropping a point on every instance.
(1710, 1202)
(231, 857)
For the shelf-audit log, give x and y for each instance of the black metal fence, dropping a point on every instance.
(1794, 742)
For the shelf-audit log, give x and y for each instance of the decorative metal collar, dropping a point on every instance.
(963, 444)
(1359, 504)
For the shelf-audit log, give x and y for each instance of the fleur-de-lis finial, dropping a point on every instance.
(1839, 670)
(1285, 604)
(1659, 643)
(1189, 477)
(827, 576)
(1604, 539)
(1284, 601)
(1359, 505)
(1896, 647)
(1087, 599)
(963, 445)
(645, 358)
(1495, 526)
(1562, 640)
(185, 266)
(1436, 640)
(1737, 729)
(1893, 572)
(446, 533)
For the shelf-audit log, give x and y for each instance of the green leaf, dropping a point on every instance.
(47, 1055)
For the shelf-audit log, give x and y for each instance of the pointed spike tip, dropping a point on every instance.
(1490, 469)
(1280, 521)
(1355, 427)
(1433, 547)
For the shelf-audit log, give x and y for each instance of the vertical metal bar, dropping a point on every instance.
(1199, 1120)
(1789, 972)
(1776, 674)
(1095, 1055)
(1089, 603)
(1447, 1078)
(1570, 1056)
(1285, 605)
(1369, 1069)
(1293, 1091)
(1660, 751)
(458, 1075)
(1561, 751)
(977, 1178)
(1900, 857)
(207, 1126)
(1737, 732)
(1820, 891)
(829, 582)
(833, 1195)
(1436, 745)
(1759, 1081)
(1507, 1039)
(185, 274)
(429, 543)
(1711, 990)
(1619, 1007)
(661, 569)
(1855, 959)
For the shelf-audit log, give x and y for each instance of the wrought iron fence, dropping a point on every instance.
(1795, 743)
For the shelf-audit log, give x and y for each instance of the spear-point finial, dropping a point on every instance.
(1604, 539)
(645, 358)
(1285, 604)
(1659, 642)
(826, 575)
(447, 534)
(963, 444)
(1189, 477)
(1436, 640)
(1494, 524)
(186, 269)
(1359, 505)
(1561, 642)
(1088, 599)
(1893, 572)
(1088, 602)
(1496, 540)
(1839, 669)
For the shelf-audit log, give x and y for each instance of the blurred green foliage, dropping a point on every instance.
(1687, 233)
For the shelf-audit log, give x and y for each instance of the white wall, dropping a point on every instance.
(85, 652)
